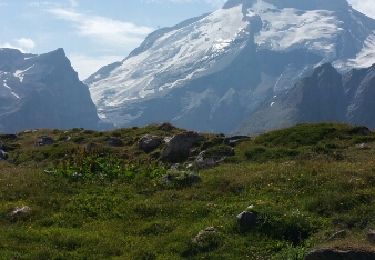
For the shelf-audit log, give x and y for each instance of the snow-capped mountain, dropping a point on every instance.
(210, 73)
(42, 91)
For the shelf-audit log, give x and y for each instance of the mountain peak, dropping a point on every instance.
(332, 5)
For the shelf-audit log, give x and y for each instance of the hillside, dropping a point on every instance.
(82, 194)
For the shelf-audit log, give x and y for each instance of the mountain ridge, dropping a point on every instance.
(42, 91)
(209, 73)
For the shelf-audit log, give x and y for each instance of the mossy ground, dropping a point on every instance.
(305, 183)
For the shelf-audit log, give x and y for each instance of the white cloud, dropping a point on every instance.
(22, 44)
(86, 65)
(109, 31)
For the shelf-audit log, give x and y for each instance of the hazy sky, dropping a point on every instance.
(97, 32)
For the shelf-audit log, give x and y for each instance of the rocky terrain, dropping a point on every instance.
(162, 192)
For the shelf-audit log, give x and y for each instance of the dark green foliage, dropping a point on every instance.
(262, 154)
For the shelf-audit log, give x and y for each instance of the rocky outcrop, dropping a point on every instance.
(324, 96)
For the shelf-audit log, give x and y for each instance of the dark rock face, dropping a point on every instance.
(335, 254)
(246, 220)
(42, 91)
(362, 105)
(324, 96)
(178, 148)
(148, 143)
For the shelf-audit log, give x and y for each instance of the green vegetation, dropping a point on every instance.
(92, 200)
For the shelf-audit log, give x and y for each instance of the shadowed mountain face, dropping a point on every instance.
(324, 96)
(210, 73)
(42, 91)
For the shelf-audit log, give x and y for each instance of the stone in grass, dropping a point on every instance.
(114, 142)
(206, 239)
(149, 143)
(338, 235)
(181, 179)
(371, 236)
(3, 155)
(246, 220)
(20, 213)
(43, 141)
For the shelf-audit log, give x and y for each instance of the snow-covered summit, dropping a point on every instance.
(274, 41)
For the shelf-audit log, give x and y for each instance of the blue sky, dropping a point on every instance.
(97, 32)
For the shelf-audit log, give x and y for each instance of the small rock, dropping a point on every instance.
(3, 155)
(371, 236)
(213, 156)
(246, 220)
(43, 141)
(90, 147)
(338, 235)
(149, 143)
(114, 142)
(204, 235)
(336, 254)
(19, 213)
(178, 149)
(362, 146)
(234, 140)
(167, 127)
(180, 178)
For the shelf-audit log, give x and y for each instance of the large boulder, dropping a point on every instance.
(213, 156)
(149, 143)
(178, 148)
(336, 254)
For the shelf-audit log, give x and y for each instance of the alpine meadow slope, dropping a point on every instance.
(213, 72)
